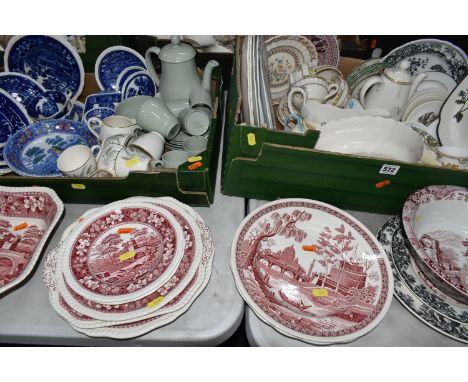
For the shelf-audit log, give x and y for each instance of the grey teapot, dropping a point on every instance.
(179, 76)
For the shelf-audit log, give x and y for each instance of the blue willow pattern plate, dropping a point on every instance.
(124, 76)
(139, 84)
(409, 299)
(50, 60)
(104, 99)
(13, 116)
(21, 87)
(112, 61)
(34, 150)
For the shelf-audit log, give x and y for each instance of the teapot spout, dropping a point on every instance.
(206, 83)
(416, 82)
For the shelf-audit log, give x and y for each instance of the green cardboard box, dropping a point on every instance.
(282, 165)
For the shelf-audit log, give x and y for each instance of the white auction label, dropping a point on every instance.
(389, 169)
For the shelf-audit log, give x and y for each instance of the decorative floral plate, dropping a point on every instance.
(436, 224)
(123, 76)
(122, 252)
(34, 150)
(50, 60)
(286, 54)
(13, 117)
(139, 84)
(21, 87)
(311, 271)
(327, 49)
(409, 299)
(27, 218)
(98, 112)
(430, 55)
(185, 271)
(170, 312)
(112, 61)
(452, 129)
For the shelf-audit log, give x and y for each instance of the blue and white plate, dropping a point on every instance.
(127, 72)
(22, 87)
(13, 117)
(103, 99)
(99, 112)
(50, 60)
(34, 150)
(139, 84)
(112, 61)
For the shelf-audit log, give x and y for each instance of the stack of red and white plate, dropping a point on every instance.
(129, 267)
(311, 271)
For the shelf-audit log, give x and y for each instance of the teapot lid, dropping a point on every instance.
(176, 51)
(399, 73)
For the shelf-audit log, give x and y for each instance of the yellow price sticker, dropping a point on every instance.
(78, 186)
(418, 218)
(132, 162)
(155, 302)
(251, 139)
(127, 255)
(319, 292)
(194, 159)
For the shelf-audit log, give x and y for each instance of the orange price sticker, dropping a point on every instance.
(124, 230)
(309, 248)
(195, 165)
(127, 255)
(155, 302)
(20, 226)
(319, 292)
(383, 183)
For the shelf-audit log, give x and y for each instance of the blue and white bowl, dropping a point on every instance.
(103, 99)
(139, 84)
(21, 87)
(34, 150)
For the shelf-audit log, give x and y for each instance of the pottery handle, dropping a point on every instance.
(94, 123)
(332, 91)
(96, 150)
(294, 90)
(369, 83)
(149, 63)
(298, 124)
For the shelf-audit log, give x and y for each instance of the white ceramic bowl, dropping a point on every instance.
(435, 220)
(371, 137)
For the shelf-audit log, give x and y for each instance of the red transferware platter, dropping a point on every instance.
(27, 218)
(311, 271)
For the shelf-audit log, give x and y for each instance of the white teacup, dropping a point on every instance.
(129, 107)
(132, 159)
(316, 90)
(452, 156)
(173, 159)
(154, 115)
(151, 143)
(78, 161)
(195, 145)
(112, 125)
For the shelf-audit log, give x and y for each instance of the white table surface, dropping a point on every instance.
(26, 316)
(398, 328)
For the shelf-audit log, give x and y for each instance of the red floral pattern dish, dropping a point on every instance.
(173, 309)
(435, 220)
(27, 218)
(110, 267)
(311, 271)
(163, 295)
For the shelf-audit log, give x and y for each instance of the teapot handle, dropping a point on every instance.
(294, 90)
(149, 63)
(369, 83)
